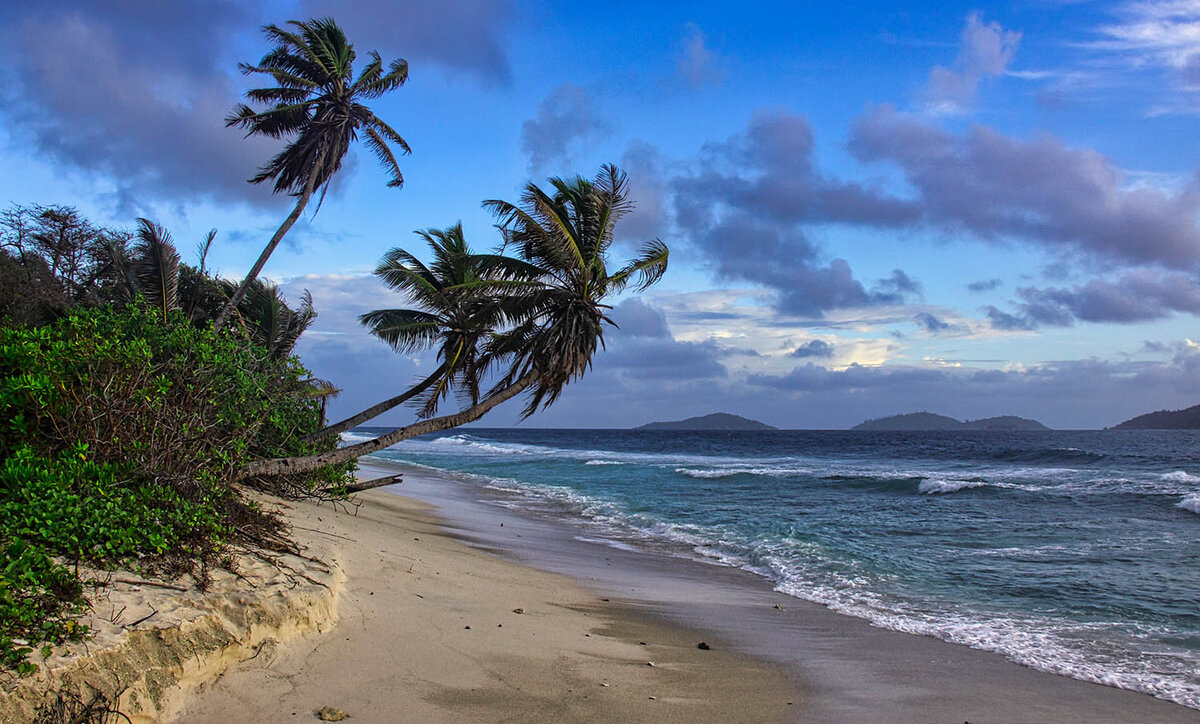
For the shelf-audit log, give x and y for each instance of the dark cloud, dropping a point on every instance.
(1037, 190)
(1004, 321)
(770, 170)
(813, 348)
(648, 191)
(563, 120)
(463, 36)
(635, 318)
(984, 285)
(930, 323)
(136, 91)
(783, 259)
(1138, 296)
(745, 205)
(698, 65)
(985, 50)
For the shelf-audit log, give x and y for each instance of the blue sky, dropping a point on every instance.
(973, 209)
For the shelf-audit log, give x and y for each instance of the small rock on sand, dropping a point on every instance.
(518, 610)
(329, 713)
(703, 646)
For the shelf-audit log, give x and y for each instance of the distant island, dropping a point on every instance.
(924, 421)
(1188, 419)
(715, 421)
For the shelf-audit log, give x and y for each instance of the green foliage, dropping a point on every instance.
(123, 428)
(38, 602)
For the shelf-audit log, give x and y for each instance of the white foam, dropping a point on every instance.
(936, 486)
(726, 472)
(1190, 503)
(1180, 476)
(604, 462)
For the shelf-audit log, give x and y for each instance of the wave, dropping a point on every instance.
(1190, 503)
(1060, 455)
(727, 472)
(604, 462)
(936, 486)
(1180, 476)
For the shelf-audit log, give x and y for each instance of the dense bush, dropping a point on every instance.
(121, 437)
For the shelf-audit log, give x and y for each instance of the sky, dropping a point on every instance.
(872, 208)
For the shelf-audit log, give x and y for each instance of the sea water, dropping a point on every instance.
(1076, 553)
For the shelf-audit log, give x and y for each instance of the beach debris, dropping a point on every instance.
(603, 684)
(780, 607)
(519, 610)
(642, 643)
(703, 646)
(466, 628)
(329, 713)
(649, 663)
(653, 698)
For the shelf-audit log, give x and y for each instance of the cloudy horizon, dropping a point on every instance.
(975, 210)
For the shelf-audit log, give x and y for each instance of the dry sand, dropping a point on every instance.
(434, 631)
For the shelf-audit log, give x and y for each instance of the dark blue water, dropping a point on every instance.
(1072, 552)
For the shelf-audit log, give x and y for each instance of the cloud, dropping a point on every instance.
(698, 65)
(1139, 295)
(744, 205)
(1037, 190)
(462, 36)
(648, 190)
(930, 323)
(985, 50)
(1160, 33)
(636, 318)
(984, 285)
(563, 120)
(813, 348)
(137, 92)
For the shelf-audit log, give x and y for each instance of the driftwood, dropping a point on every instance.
(367, 484)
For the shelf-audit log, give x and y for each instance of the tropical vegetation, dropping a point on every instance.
(143, 397)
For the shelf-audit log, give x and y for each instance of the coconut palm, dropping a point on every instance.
(318, 103)
(461, 298)
(556, 314)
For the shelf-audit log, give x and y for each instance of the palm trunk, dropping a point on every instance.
(283, 229)
(375, 410)
(290, 466)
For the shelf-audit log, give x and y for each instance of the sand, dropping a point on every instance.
(432, 630)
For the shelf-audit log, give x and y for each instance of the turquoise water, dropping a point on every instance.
(1071, 552)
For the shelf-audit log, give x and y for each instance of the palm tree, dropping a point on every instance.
(462, 298)
(556, 313)
(318, 101)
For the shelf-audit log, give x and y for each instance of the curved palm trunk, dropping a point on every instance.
(289, 466)
(283, 229)
(376, 410)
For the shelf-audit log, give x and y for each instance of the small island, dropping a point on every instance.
(928, 421)
(715, 421)
(1186, 419)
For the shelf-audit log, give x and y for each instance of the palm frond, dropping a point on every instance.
(156, 267)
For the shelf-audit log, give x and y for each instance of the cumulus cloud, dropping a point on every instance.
(985, 50)
(563, 120)
(746, 203)
(930, 323)
(813, 348)
(698, 65)
(1037, 190)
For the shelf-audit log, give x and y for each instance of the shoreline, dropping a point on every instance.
(853, 671)
(433, 629)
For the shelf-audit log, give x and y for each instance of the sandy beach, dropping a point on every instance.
(432, 630)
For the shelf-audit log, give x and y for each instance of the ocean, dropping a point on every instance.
(1076, 553)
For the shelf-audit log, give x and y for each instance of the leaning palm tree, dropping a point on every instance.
(319, 104)
(555, 319)
(460, 299)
